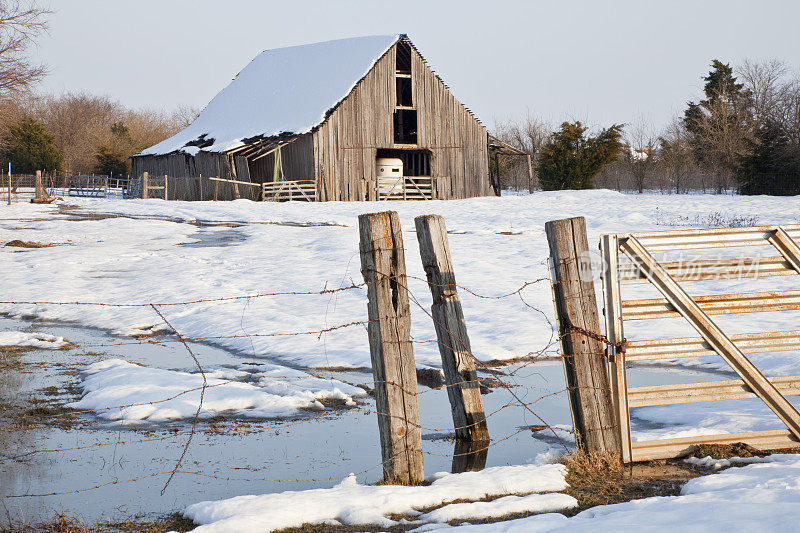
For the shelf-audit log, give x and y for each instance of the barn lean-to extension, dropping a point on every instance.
(314, 121)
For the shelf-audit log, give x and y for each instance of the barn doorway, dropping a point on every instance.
(404, 174)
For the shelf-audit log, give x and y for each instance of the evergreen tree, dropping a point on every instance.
(720, 126)
(110, 162)
(31, 148)
(773, 167)
(570, 160)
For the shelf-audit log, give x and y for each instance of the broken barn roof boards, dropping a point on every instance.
(284, 90)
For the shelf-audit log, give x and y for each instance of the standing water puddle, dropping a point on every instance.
(91, 478)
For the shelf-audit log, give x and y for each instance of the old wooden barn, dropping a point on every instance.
(353, 119)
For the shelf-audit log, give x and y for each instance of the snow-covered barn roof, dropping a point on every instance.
(282, 91)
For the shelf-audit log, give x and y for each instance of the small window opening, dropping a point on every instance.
(403, 57)
(404, 98)
(405, 126)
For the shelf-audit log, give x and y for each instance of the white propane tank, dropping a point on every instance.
(389, 167)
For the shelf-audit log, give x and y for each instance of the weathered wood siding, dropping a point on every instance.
(185, 165)
(345, 145)
(297, 158)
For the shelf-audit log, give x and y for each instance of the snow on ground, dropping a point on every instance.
(710, 463)
(532, 503)
(758, 497)
(352, 503)
(31, 340)
(278, 392)
(156, 251)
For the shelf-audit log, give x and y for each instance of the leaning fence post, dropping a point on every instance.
(463, 387)
(389, 328)
(145, 185)
(579, 331)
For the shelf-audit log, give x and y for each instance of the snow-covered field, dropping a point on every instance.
(166, 252)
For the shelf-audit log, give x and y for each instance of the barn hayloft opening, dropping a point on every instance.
(403, 57)
(403, 89)
(405, 126)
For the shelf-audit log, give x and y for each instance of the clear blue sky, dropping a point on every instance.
(602, 62)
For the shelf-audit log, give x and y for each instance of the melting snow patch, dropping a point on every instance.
(719, 464)
(352, 503)
(533, 503)
(32, 340)
(757, 497)
(156, 394)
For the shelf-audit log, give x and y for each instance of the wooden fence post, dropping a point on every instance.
(389, 328)
(39, 188)
(463, 387)
(145, 185)
(584, 361)
(166, 187)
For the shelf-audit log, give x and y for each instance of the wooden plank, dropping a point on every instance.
(675, 348)
(714, 304)
(237, 182)
(393, 367)
(705, 391)
(787, 247)
(463, 388)
(576, 306)
(710, 238)
(713, 269)
(668, 448)
(609, 250)
(715, 337)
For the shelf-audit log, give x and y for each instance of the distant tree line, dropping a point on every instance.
(743, 135)
(77, 133)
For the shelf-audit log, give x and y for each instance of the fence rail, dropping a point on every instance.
(405, 188)
(282, 191)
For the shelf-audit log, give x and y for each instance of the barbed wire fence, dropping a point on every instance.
(500, 375)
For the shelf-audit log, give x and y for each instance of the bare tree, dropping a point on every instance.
(765, 87)
(82, 124)
(675, 155)
(724, 130)
(21, 22)
(640, 154)
(185, 115)
(529, 135)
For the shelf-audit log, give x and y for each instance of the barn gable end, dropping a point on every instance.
(399, 109)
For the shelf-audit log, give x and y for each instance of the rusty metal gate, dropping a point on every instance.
(627, 259)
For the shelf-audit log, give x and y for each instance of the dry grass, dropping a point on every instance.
(66, 524)
(726, 451)
(16, 243)
(601, 479)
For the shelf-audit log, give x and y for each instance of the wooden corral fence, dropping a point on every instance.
(281, 191)
(628, 260)
(406, 188)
